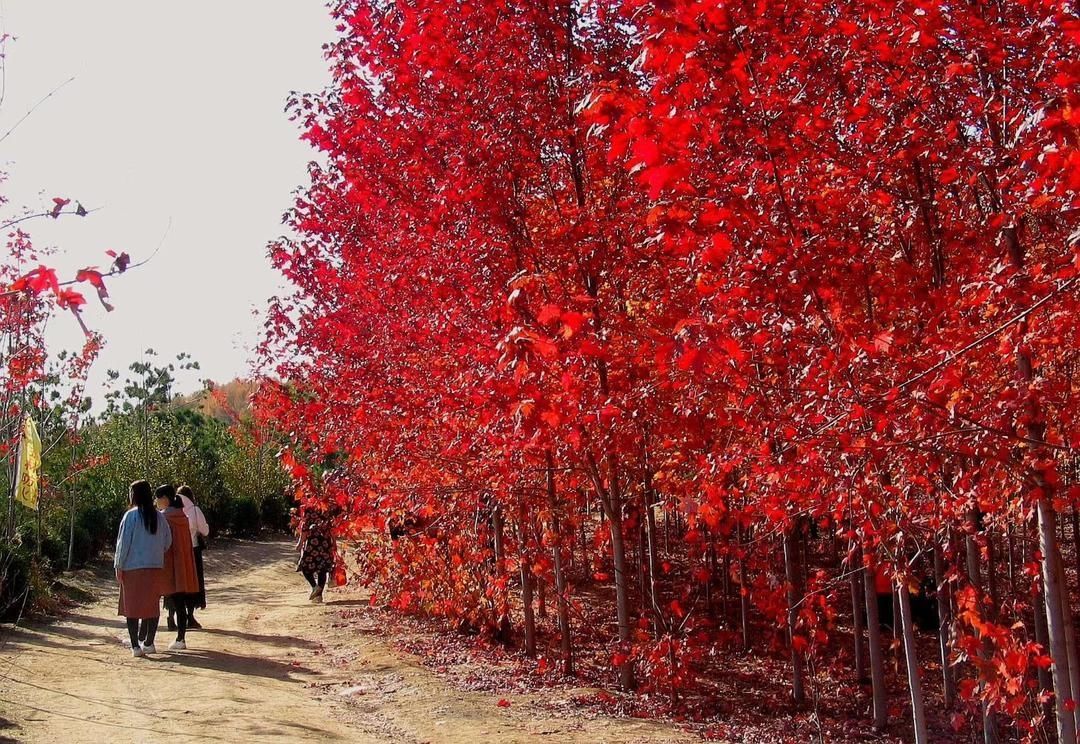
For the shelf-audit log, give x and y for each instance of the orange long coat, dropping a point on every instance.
(178, 572)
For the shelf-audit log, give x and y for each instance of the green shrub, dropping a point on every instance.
(14, 576)
(275, 513)
(246, 518)
(219, 514)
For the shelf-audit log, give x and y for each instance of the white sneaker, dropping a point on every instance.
(151, 649)
(137, 651)
(178, 646)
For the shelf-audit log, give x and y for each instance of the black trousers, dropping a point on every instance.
(316, 580)
(180, 604)
(142, 631)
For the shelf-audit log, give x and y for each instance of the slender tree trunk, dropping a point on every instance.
(622, 599)
(834, 544)
(1076, 542)
(855, 579)
(498, 538)
(944, 605)
(794, 596)
(744, 591)
(611, 501)
(975, 578)
(650, 539)
(643, 570)
(1051, 555)
(877, 661)
(40, 510)
(667, 531)
(1055, 621)
(1046, 682)
(708, 581)
(725, 586)
(71, 526)
(918, 714)
(1011, 547)
(991, 573)
(565, 641)
(527, 587)
(1070, 644)
(584, 534)
(897, 650)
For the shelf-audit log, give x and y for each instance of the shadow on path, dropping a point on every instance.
(285, 641)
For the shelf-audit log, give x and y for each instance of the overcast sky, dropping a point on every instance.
(175, 113)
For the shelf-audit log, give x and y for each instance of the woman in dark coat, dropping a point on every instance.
(180, 579)
(200, 530)
(317, 552)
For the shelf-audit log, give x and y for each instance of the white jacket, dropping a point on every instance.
(196, 520)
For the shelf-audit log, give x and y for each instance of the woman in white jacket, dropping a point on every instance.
(200, 530)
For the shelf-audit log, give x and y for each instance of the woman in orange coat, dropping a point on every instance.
(179, 577)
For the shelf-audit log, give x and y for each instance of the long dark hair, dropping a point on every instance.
(166, 491)
(142, 498)
(186, 491)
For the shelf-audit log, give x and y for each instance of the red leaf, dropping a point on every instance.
(718, 250)
(91, 275)
(58, 206)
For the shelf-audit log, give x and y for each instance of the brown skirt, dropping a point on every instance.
(140, 593)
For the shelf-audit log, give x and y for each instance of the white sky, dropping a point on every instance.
(176, 111)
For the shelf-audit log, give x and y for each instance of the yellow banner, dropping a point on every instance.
(28, 479)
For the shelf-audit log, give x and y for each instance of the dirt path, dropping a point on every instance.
(259, 672)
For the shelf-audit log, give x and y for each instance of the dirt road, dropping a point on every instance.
(268, 667)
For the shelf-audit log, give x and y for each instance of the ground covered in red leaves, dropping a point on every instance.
(742, 697)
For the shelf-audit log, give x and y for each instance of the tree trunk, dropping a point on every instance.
(1046, 682)
(855, 578)
(1076, 542)
(708, 581)
(622, 599)
(897, 650)
(991, 573)
(499, 545)
(944, 605)
(584, 534)
(918, 714)
(667, 531)
(527, 587)
(1053, 591)
(565, 642)
(725, 585)
(1055, 621)
(744, 592)
(794, 596)
(611, 501)
(650, 539)
(71, 500)
(1070, 644)
(989, 726)
(877, 662)
(1011, 547)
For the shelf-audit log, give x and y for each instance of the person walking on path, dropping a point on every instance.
(179, 577)
(141, 544)
(200, 530)
(316, 546)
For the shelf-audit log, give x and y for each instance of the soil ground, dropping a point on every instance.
(269, 666)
